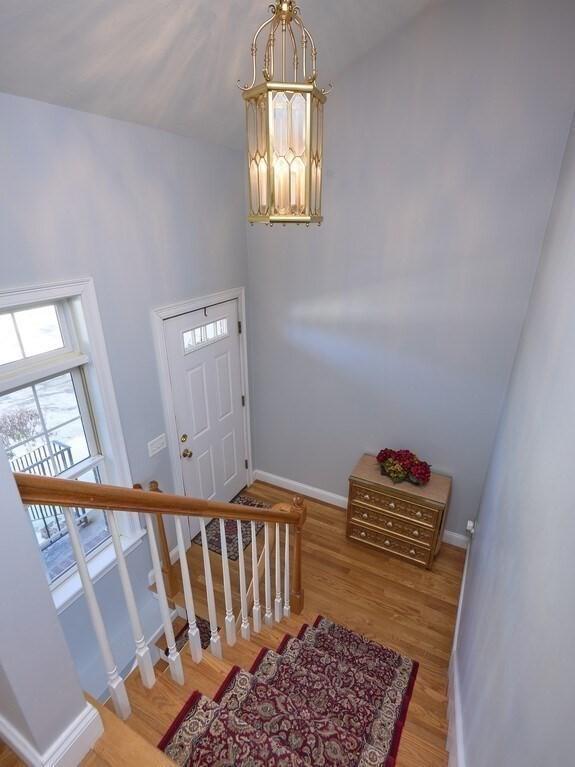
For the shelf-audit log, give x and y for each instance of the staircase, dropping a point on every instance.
(322, 696)
(286, 688)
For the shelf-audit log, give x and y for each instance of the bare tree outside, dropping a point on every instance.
(18, 426)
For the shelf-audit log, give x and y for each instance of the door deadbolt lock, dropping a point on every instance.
(187, 453)
(184, 438)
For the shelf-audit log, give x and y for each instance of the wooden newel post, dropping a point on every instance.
(297, 597)
(167, 568)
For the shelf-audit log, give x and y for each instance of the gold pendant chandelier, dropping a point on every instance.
(285, 123)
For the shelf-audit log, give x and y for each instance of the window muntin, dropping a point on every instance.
(41, 427)
(205, 334)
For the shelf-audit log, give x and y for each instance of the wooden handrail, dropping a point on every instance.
(73, 493)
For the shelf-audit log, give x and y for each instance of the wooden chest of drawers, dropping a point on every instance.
(405, 520)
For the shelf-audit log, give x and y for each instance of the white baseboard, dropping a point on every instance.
(455, 744)
(455, 539)
(301, 489)
(68, 749)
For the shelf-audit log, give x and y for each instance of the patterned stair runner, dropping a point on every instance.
(329, 697)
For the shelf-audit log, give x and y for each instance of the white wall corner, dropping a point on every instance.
(455, 539)
(455, 730)
(68, 749)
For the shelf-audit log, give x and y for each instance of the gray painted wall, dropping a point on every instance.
(396, 322)
(515, 651)
(153, 218)
(34, 659)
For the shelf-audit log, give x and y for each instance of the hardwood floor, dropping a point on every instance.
(403, 607)
(407, 609)
(8, 758)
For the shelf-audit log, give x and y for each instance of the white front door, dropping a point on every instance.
(205, 371)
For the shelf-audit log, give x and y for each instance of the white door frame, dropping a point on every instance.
(159, 316)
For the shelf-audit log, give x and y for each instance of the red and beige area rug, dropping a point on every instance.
(327, 698)
(213, 530)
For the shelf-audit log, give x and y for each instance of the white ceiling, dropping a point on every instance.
(172, 64)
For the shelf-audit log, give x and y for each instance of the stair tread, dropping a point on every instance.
(221, 736)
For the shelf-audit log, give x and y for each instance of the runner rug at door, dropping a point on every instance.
(328, 698)
(213, 530)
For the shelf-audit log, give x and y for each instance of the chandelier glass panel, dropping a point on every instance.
(285, 123)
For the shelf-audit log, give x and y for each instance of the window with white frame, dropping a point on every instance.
(47, 422)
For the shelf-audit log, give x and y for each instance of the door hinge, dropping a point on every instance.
(243, 400)
(240, 327)
(246, 462)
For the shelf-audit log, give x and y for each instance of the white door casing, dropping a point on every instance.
(204, 360)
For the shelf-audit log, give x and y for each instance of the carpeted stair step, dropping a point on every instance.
(208, 734)
(373, 705)
(372, 688)
(327, 697)
(341, 642)
(313, 689)
(316, 739)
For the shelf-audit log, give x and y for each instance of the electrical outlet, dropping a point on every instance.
(156, 445)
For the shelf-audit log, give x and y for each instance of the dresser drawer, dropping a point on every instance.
(389, 523)
(423, 515)
(389, 542)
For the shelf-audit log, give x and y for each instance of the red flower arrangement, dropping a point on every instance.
(401, 465)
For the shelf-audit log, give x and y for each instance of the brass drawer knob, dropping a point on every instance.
(392, 505)
(363, 534)
(390, 524)
(366, 497)
(387, 542)
(365, 516)
(412, 552)
(418, 514)
(416, 533)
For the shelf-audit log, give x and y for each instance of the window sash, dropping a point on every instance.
(15, 375)
(80, 319)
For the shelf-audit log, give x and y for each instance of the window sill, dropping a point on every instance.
(67, 592)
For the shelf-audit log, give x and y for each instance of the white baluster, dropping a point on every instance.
(278, 572)
(268, 617)
(243, 593)
(215, 642)
(115, 682)
(287, 585)
(174, 660)
(230, 620)
(194, 639)
(143, 657)
(257, 610)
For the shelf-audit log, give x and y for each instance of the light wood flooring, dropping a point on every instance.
(401, 606)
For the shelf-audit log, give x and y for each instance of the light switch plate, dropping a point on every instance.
(156, 445)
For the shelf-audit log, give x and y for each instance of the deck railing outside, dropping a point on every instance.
(48, 521)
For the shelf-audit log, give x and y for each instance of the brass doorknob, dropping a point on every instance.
(187, 453)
